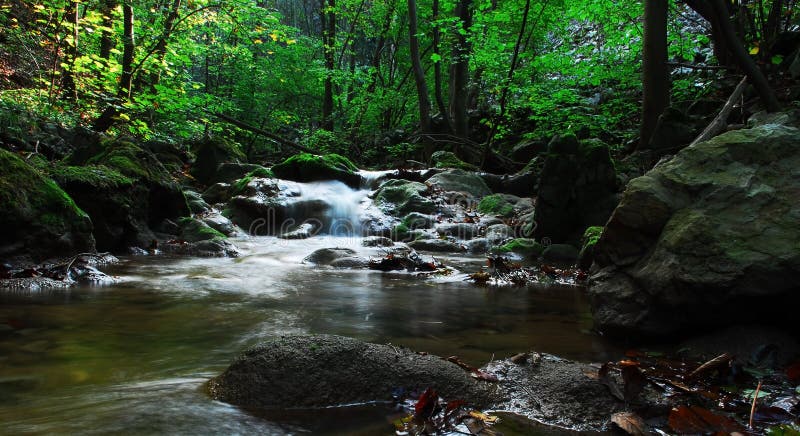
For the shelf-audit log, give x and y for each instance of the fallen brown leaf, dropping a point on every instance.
(631, 423)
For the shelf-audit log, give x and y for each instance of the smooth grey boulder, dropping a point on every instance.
(401, 197)
(324, 256)
(438, 245)
(458, 230)
(461, 184)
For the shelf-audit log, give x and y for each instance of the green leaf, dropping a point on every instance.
(748, 394)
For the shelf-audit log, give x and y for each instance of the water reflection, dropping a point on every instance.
(132, 357)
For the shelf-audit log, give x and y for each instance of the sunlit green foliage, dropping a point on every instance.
(578, 67)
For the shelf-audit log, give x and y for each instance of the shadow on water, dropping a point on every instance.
(132, 357)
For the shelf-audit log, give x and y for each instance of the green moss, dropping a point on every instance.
(400, 232)
(399, 191)
(307, 167)
(496, 204)
(99, 176)
(402, 197)
(34, 203)
(194, 230)
(210, 152)
(524, 246)
(447, 159)
(131, 161)
(263, 173)
(242, 183)
(592, 235)
(309, 160)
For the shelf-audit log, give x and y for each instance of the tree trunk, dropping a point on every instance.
(437, 68)
(743, 59)
(68, 86)
(159, 50)
(419, 73)
(107, 40)
(459, 71)
(655, 75)
(328, 21)
(106, 119)
(128, 48)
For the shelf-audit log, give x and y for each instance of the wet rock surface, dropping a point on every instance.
(577, 189)
(324, 256)
(463, 185)
(560, 392)
(326, 370)
(309, 371)
(705, 237)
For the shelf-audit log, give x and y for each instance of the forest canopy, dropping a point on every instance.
(366, 79)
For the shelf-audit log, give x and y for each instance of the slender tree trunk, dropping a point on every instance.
(107, 39)
(437, 68)
(459, 71)
(128, 48)
(419, 73)
(159, 50)
(743, 59)
(509, 79)
(106, 119)
(328, 20)
(68, 87)
(655, 75)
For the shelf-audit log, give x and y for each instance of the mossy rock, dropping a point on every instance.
(566, 143)
(263, 173)
(210, 152)
(122, 212)
(448, 159)
(416, 220)
(496, 204)
(560, 253)
(523, 246)
(590, 238)
(99, 176)
(230, 172)
(194, 230)
(307, 167)
(463, 183)
(402, 197)
(39, 219)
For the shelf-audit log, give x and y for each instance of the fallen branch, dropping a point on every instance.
(79, 255)
(753, 407)
(698, 67)
(268, 135)
(720, 121)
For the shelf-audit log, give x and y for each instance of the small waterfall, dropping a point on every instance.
(341, 217)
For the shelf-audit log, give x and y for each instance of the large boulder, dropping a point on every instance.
(460, 184)
(39, 219)
(307, 167)
(274, 207)
(402, 197)
(124, 189)
(326, 370)
(211, 152)
(448, 159)
(577, 189)
(709, 237)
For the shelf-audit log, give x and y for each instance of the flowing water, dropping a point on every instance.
(133, 357)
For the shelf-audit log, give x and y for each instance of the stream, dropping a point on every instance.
(133, 357)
